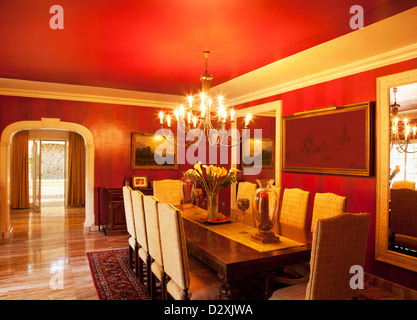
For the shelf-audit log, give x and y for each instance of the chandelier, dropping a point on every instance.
(401, 130)
(203, 122)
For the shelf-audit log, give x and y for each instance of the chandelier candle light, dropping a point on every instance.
(401, 129)
(198, 125)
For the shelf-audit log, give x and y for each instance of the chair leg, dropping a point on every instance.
(163, 287)
(150, 278)
(139, 273)
(130, 257)
(152, 286)
(137, 263)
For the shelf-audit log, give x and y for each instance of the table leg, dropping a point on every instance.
(228, 291)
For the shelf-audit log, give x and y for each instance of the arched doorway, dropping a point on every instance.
(44, 123)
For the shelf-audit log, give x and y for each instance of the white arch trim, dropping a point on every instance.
(51, 124)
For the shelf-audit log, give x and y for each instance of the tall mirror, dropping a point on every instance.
(396, 136)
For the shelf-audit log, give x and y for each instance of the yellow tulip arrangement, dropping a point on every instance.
(212, 181)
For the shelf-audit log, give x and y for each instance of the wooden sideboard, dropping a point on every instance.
(115, 210)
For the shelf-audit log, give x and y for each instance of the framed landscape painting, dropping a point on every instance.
(336, 141)
(258, 151)
(143, 146)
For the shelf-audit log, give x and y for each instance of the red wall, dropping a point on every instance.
(360, 191)
(111, 126)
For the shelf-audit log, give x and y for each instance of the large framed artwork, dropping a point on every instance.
(256, 148)
(143, 146)
(336, 141)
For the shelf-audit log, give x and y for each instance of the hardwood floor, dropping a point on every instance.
(46, 257)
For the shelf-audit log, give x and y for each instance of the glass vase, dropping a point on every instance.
(265, 208)
(187, 191)
(212, 206)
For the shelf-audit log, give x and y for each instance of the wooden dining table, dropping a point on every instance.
(233, 260)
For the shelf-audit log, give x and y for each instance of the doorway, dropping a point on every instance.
(44, 124)
(47, 173)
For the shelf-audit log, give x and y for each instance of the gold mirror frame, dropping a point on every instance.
(382, 173)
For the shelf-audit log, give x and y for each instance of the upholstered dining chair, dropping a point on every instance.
(246, 189)
(156, 270)
(188, 278)
(403, 184)
(338, 244)
(403, 217)
(141, 235)
(168, 191)
(294, 207)
(325, 205)
(130, 223)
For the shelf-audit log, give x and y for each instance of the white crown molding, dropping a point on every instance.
(389, 41)
(60, 91)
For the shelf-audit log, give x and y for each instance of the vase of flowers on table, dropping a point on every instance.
(212, 179)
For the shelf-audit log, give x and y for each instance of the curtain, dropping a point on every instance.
(20, 171)
(76, 170)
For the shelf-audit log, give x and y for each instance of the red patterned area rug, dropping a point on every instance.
(112, 277)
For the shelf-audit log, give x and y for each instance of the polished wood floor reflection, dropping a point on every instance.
(46, 257)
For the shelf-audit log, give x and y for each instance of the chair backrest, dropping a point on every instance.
(174, 250)
(127, 200)
(294, 208)
(327, 205)
(153, 228)
(168, 191)
(404, 211)
(403, 184)
(338, 244)
(139, 218)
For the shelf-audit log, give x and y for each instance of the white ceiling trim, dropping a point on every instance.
(386, 42)
(60, 91)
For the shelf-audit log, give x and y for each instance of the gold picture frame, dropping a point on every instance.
(139, 182)
(142, 154)
(336, 141)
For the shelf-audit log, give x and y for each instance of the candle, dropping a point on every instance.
(187, 190)
(232, 115)
(203, 110)
(414, 130)
(190, 101)
(169, 121)
(264, 208)
(177, 115)
(195, 121)
(161, 118)
(247, 119)
(182, 112)
(189, 117)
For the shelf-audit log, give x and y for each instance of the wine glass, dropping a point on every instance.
(243, 205)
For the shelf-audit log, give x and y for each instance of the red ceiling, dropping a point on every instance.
(156, 45)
